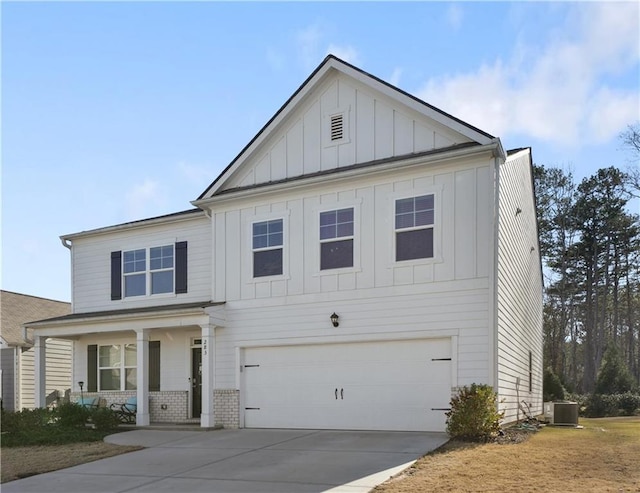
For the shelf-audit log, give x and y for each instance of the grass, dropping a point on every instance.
(603, 456)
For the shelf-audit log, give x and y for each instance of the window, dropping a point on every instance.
(134, 267)
(161, 267)
(336, 239)
(117, 367)
(160, 271)
(267, 248)
(414, 219)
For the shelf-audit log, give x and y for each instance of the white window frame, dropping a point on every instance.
(437, 225)
(122, 366)
(248, 241)
(334, 206)
(148, 272)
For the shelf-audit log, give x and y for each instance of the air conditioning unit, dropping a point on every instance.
(561, 413)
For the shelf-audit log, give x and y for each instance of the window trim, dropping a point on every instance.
(437, 192)
(247, 242)
(356, 205)
(123, 367)
(148, 272)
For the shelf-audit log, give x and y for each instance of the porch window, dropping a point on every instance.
(117, 367)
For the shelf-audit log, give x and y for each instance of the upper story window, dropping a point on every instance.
(268, 241)
(149, 271)
(414, 221)
(336, 239)
(154, 277)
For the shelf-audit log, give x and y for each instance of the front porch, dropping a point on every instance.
(165, 357)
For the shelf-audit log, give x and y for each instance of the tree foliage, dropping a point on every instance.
(590, 247)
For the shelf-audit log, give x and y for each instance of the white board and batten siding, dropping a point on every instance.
(92, 266)
(375, 127)
(519, 289)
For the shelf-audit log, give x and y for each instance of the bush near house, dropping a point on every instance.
(474, 416)
(68, 423)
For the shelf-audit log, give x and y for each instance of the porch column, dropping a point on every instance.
(142, 348)
(40, 371)
(207, 418)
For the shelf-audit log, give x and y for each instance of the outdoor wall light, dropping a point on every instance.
(334, 319)
(81, 384)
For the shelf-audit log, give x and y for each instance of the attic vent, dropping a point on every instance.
(337, 127)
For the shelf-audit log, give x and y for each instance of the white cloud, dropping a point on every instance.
(395, 77)
(308, 45)
(454, 16)
(196, 174)
(142, 199)
(559, 92)
(347, 53)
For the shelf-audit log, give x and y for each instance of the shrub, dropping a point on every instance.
(552, 389)
(104, 419)
(601, 405)
(72, 415)
(628, 403)
(473, 415)
(27, 419)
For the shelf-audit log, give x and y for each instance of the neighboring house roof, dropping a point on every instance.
(329, 64)
(16, 309)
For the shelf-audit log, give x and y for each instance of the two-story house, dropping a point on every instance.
(361, 258)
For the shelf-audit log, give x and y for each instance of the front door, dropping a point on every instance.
(196, 381)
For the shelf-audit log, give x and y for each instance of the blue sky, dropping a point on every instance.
(118, 111)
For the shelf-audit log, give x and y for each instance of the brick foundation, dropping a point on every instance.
(226, 408)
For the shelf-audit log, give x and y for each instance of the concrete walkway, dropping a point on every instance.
(241, 461)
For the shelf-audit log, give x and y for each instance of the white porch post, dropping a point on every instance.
(40, 371)
(207, 418)
(142, 348)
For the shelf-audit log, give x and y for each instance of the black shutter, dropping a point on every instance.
(154, 366)
(92, 368)
(116, 275)
(181, 267)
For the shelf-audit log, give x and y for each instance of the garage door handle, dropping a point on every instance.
(341, 393)
(336, 394)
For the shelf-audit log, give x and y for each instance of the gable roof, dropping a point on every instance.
(329, 64)
(17, 309)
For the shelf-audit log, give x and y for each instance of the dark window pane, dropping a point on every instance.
(345, 215)
(336, 254)
(162, 282)
(404, 205)
(267, 263)
(424, 202)
(327, 232)
(134, 285)
(155, 263)
(260, 241)
(275, 226)
(404, 221)
(345, 229)
(260, 228)
(414, 244)
(424, 218)
(327, 218)
(275, 239)
(167, 251)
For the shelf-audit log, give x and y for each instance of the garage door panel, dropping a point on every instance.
(382, 385)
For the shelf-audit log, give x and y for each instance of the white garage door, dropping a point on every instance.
(395, 385)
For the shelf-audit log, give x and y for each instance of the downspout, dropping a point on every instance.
(68, 244)
(494, 274)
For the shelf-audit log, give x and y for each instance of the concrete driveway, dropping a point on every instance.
(242, 461)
